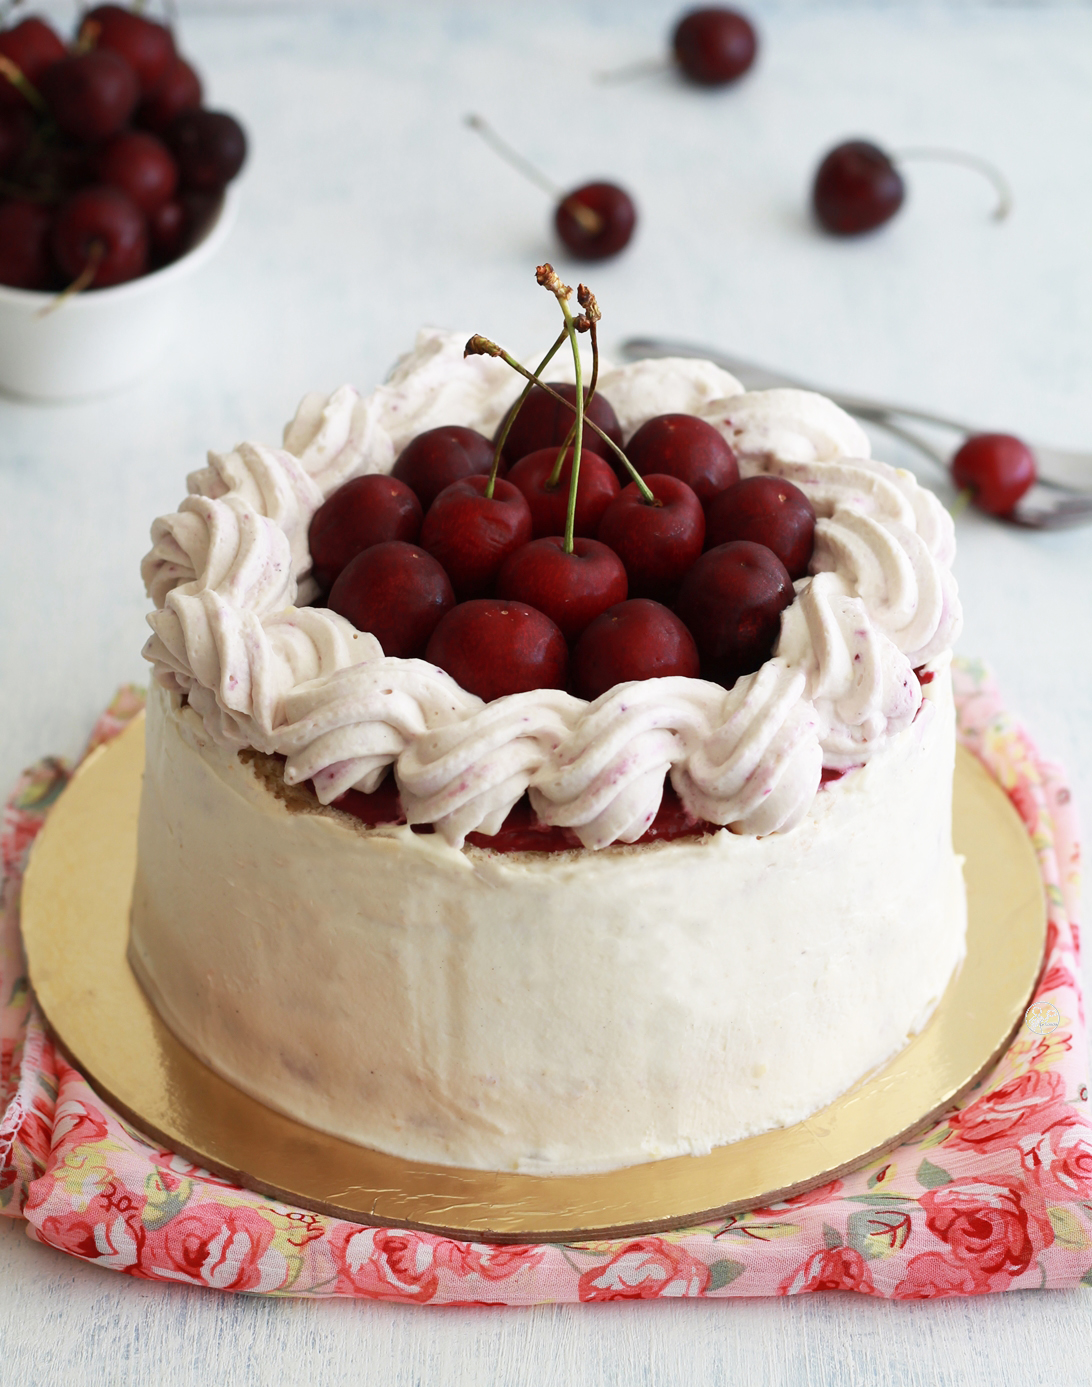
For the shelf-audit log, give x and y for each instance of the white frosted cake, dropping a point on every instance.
(620, 1000)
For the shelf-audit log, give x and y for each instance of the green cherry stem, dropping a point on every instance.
(578, 427)
(502, 437)
(555, 476)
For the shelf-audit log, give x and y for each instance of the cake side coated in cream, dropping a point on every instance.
(552, 1012)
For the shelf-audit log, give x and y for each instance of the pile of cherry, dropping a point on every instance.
(690, 584)
(109, 165)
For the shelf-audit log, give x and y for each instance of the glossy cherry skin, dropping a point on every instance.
(997, 468)
(684, 446)
(544, 422)
(638, 639)
(856, 189)
(492, 647)
(436, 458)
(656, 543)
(616, 214)
(33, 47)
(90, 95)
(210, 147)
(472, 534)
(714, 46)
(732, 601)
(178, 90)
(571, 589)
(364, 512)
(139, 165)
(101, 216)
(596, 488)
(146, 46)
(25, 261)
(398, 593)
(769, 511)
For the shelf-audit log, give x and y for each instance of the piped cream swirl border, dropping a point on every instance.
(229, 574)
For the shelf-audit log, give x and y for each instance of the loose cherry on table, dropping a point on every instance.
(100, 229)
(597, 486)
(366, 511)
(857, 188)
(25, 261)
(714, 46)
(996, 468)
(471, 534)
(146, 46)
(90, 95)
(544, 422)
(571, 589)
(657, 543)
(732, 601)
(638, 639)
(493, 646)
(398, 593)
(141, 166)
(32, 46)
(769, 511)
(684, 446)
(436, 458)
(596, 221)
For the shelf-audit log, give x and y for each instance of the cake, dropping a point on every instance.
(625, 998)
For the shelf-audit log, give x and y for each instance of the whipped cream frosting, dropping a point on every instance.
(229, 574)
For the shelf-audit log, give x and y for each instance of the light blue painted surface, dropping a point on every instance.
(368, 209)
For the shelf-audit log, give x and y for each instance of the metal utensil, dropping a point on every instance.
(1061, 497)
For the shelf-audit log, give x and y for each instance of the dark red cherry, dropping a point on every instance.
(596, 221)
(146, 46)
(571, 589)
(101, 217)
(140, 166)
(714, 46)
(732, 601)
(638, 639)
(493, 647)
(769, 511)
(544, 422)
(398, 593)
(16, 128)
(857, 188)
(472, 534)
(167, 229)
(597, 486)
(25, 261)
(684, 446)
(438, 457)
(997, 468)
(32, 46)
(657, 543)
(90, 95)
(178, 90)
(210, 147)
(364, 512)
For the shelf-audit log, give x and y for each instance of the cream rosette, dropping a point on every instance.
(229, 574)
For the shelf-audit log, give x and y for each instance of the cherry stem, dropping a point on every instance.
(644, 67)
(578, 426)
(88, 36)
(555, 476)
(961, 502)
(589, 219)
(969, 161)
(22, 84)
(80, 283)
(502, 437)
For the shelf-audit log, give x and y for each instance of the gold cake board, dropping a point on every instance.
(75, 917)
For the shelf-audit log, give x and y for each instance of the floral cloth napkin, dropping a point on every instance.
(997, 1196)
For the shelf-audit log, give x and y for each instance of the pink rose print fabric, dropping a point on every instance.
(997, 1196)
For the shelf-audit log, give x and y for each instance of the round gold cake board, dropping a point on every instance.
(75, 925)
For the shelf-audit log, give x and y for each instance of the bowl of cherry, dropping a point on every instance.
(114, 190)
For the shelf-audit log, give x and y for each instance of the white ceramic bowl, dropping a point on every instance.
(99, 341)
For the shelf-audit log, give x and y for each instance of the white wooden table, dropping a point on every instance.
(368, 208)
